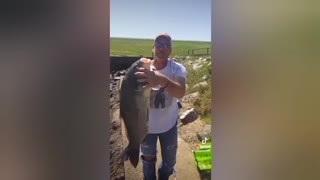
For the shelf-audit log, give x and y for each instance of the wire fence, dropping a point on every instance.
(199, 51)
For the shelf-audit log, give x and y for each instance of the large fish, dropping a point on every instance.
(134, 111)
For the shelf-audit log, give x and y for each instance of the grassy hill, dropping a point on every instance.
(137, 47)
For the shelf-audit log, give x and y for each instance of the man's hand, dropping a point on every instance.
(176, 87)
(152, 78)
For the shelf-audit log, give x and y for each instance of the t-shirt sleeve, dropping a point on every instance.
(180, 71)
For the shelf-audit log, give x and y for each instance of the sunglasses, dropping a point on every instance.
(162, 45)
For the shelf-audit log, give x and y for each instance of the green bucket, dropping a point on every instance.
(203, 156)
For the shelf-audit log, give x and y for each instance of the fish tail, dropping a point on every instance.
(132, 154)
(134, 157)
(124, 155)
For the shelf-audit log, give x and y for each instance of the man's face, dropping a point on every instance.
(162, 48)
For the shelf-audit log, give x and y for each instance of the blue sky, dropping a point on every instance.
(182, 19)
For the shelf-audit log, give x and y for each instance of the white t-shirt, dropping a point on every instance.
(163, 113)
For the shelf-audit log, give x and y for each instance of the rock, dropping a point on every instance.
(197, 102)
(205, 77)
(120, 73)
(115, 125)
(121, 177)
(112, 141)
(188, 116)
(118, 78)
(190, 97)
(203, 84)
(205, 133)
(196, 66)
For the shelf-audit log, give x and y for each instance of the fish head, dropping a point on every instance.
(130, 80)
(145, 63)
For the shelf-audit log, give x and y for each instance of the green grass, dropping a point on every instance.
(137, 47)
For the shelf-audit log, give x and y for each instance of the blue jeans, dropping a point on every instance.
(169, 143)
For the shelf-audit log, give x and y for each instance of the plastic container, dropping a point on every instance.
(203, 156)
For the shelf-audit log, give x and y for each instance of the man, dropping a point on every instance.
(163, 115)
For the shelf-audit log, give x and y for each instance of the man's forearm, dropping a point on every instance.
(174, 88)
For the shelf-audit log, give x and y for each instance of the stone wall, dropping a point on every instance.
(118, 63)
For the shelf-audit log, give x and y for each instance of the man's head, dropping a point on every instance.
(162, 46)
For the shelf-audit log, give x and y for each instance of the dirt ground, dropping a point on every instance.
(116, 166)
(185, 166)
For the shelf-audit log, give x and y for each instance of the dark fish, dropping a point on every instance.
(134, 111)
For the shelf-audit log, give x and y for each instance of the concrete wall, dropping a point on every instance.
(118, 63)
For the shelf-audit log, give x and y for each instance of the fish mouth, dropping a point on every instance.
(146, 61)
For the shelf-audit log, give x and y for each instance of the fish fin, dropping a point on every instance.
(145, 137)
(134, 157)
(131, 154)
(124, 155)
(144, 140)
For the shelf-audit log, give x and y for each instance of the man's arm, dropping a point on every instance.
(176, 87)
